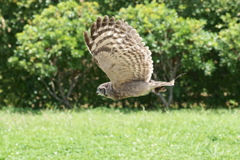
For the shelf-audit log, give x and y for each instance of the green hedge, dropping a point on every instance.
(45, 62)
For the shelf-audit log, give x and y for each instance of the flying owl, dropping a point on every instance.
(120, 53)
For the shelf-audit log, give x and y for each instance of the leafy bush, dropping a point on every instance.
(229, 46)
(17, 86)
(188, 44)
(178, 45)
(229, 52)
(211, 11)
(52, 48)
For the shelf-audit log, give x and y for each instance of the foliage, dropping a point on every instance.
(178, 45)
(16, 87)
(218, 14)
(212, 11)
(52, 48)
(111, 7)
(212, 65)
(229, 52)
(229, 46)
(111, 134)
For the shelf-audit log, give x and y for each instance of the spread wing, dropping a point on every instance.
(119, 51)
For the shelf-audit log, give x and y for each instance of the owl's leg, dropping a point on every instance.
(159, 86)
(160, 89)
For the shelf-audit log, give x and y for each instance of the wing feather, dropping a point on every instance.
(119, 51)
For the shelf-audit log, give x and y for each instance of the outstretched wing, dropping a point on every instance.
(119, 51)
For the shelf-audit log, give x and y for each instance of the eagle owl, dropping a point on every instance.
(120, 53)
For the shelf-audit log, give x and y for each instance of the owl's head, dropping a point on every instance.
(105, 90)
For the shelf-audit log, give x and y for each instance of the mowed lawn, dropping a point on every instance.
(111, 134)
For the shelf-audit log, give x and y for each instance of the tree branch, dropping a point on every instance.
(73, 84)
(162, 99)
(170, 98)
(59, 77)
(51, 93)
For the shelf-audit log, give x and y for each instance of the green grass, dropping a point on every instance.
(111, 134)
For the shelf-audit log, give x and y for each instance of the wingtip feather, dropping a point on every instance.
(86, 37)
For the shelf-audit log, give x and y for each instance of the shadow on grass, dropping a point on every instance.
(21, 110)
(111, 110)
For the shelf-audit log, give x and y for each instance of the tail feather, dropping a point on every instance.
(159, 86)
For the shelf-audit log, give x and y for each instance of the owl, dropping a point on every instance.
(120, 53)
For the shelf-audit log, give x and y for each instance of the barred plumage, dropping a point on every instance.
(121, 54)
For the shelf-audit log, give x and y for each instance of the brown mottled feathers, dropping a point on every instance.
(119, 51)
